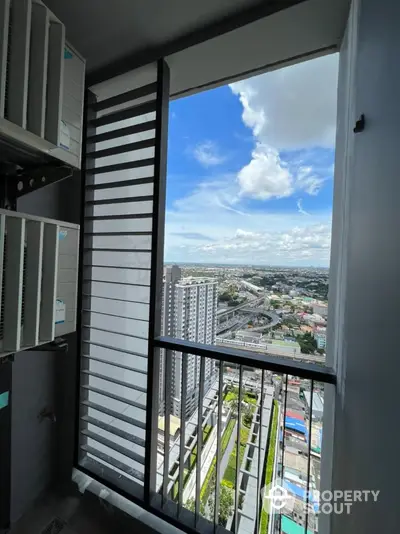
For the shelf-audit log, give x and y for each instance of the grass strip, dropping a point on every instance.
(270, 465)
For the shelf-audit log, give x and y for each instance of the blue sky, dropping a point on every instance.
(250, 170)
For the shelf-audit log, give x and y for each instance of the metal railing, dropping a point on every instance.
(252, 422)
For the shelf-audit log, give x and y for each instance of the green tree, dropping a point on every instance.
(226, 502)
(247, 415)
(191, 505)
(307, 342)
(234, 406)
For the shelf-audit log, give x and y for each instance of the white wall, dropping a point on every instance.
(365, 321)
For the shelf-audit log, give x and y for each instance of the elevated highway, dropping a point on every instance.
(230, 312)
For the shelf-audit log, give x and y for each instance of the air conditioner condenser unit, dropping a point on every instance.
(38, 280)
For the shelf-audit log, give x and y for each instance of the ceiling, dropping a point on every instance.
(205, 43)
(105, 31)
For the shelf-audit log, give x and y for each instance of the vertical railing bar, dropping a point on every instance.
(219, 428)
(259, 473)
(156, 277)
(182, 441)
(167, 413)
(239, 422)
(309, 453)
(199, 438)
(283, 441)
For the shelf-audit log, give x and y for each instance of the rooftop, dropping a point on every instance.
(194, 281)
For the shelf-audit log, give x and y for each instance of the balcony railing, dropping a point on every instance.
(256, 423)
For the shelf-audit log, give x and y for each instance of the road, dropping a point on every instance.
(255, 302)
(275, 319)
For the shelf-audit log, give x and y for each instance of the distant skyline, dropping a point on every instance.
(250, 170)
(250, 265)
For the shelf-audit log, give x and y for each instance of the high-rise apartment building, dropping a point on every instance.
(189, 312)
(172, 274)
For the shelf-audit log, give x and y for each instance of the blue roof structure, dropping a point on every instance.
(295, 424)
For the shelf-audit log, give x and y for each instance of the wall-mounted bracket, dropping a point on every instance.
(58, 345)
(32, 179)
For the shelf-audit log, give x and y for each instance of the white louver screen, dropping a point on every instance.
(119, 235)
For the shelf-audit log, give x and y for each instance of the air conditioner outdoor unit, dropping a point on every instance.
(38, 280)
(41, 86)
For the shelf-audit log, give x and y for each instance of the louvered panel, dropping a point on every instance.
(135, 207)
(119, 307)
(121, 193)
(139, 277)
(116, 177)
(131, 292)
(118, 324)
(98, 225)
(110, 257)
(132, 152)
(129, 190)
(114, 358)
(130, 242)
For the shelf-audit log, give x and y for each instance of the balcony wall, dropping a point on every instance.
(364, 334)
(43, 380)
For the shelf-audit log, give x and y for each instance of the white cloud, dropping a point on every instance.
(214, 195)
(234, 235)
(207, 153)
(264, 177)
(308, 181)
(292, 244)
(294, 107)
(300, 207)
(291, 108)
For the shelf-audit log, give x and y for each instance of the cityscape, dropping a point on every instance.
(271, 435)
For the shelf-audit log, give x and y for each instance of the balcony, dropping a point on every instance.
(194, 433)
(127, 440)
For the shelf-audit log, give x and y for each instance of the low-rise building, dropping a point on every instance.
(248, 336)
(320, 309)
(317, 405)
(320, 337)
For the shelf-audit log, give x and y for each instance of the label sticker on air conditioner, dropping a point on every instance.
(60, 311)
(4, 399)
(65, 136)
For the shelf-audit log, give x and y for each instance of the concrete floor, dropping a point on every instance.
(79, 514)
